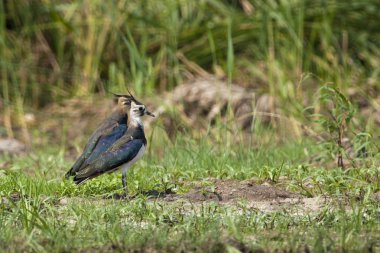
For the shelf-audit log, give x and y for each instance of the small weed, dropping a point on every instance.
(336, 117)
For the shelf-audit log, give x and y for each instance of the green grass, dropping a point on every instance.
(40, 221)
(53, 50)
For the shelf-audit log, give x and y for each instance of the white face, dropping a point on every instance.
(137, 110)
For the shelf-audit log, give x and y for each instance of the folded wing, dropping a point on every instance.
(110, 160)
(99, 142)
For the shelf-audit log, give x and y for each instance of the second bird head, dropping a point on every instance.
(123, 101)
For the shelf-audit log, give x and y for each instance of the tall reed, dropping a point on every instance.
(52, 49)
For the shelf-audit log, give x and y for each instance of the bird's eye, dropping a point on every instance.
(140, 108)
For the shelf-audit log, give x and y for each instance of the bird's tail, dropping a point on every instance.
(76, 167)
(79, 181)
(70, 173)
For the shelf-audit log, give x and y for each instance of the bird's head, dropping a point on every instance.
(138, 109)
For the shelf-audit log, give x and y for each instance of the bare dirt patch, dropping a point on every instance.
(226, 191)
(263, 197)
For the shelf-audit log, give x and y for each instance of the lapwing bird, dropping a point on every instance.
(123, 153)
(109, 131)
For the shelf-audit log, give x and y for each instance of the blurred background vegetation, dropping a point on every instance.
(51, 50)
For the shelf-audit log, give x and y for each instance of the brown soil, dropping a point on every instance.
(226, 191)
(263, 197)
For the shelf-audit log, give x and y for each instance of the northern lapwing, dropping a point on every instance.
(123, 153)
(109, 131)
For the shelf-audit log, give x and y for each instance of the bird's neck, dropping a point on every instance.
(135, 127)
(136, 121)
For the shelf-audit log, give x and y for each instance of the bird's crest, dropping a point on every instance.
(129, 99)
(129, 96)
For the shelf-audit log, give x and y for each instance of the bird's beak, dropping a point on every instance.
(149, 113)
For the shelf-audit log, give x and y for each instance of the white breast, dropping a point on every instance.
(126, 166)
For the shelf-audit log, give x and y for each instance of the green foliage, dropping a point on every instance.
(344, 140)
(81, 47)
(340, 111)
(52, 50)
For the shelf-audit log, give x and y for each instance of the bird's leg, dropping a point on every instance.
(124, 181)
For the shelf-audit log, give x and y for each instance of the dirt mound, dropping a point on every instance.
(11, 146)
(232, 190)
(265, 198)
(209, 99)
